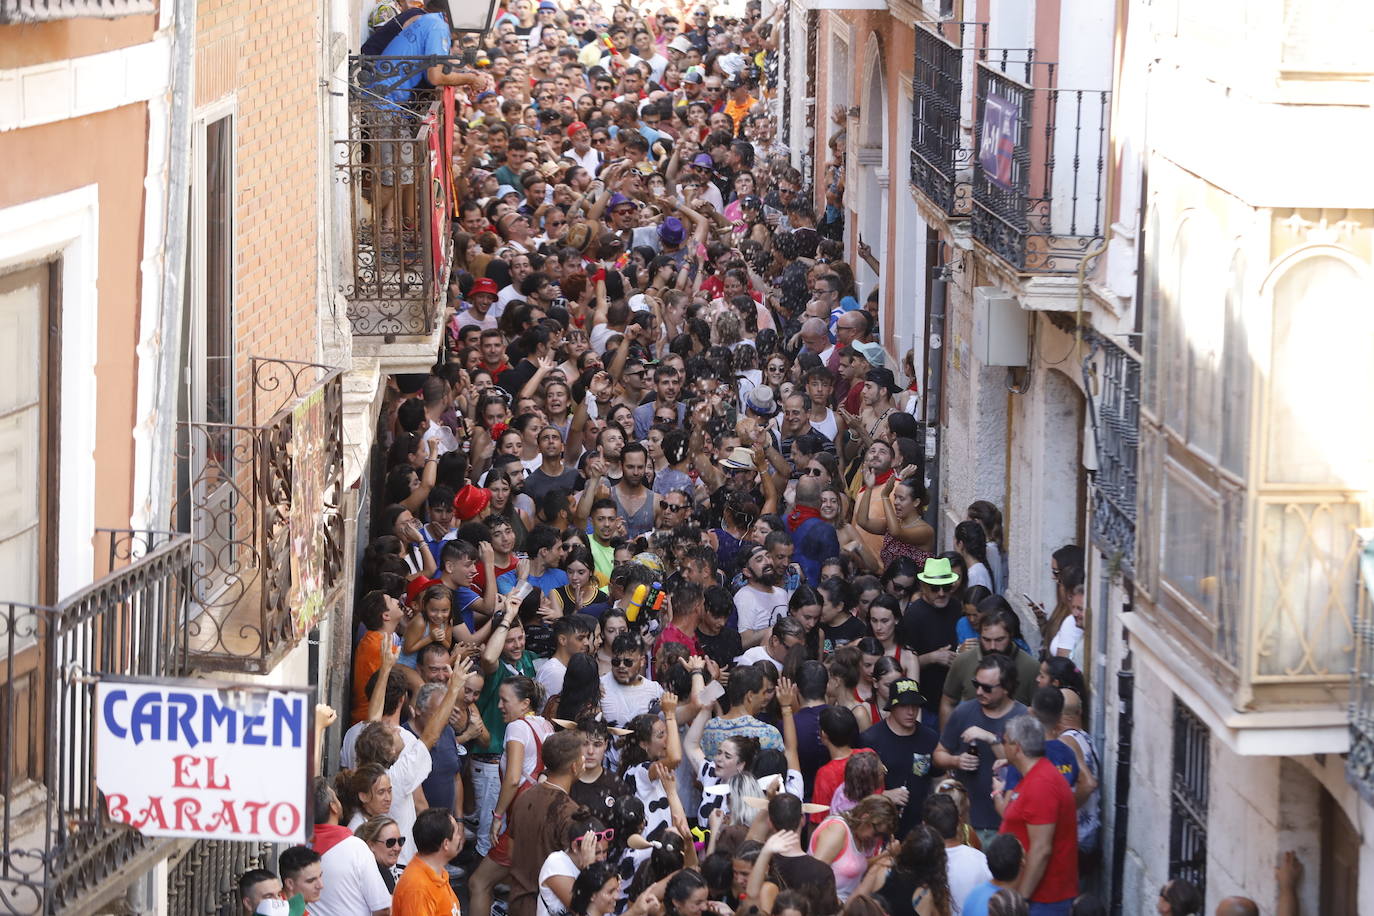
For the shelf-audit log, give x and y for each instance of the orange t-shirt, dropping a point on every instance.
(737, 112)
(421, 891)
(367, 659)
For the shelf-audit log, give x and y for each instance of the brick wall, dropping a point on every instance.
(267, 59)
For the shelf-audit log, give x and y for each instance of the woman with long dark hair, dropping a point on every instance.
(972, 544)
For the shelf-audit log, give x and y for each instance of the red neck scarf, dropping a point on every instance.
(327, 836)
(801, 514)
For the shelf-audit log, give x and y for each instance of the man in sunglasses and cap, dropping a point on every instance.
(928, 628)
(906, 747)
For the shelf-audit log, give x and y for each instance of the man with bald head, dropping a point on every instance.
(1237, 906)
(813, 538)
(1070, 731)
(1288, 874)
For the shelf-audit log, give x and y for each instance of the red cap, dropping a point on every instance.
(470, 502)
(575, 126)
(417, 585)
(485, 285)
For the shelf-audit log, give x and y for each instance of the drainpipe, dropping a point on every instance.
(1125, 694)
(167, 377)
(935, 359)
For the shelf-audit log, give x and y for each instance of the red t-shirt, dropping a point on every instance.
(1044, 797)
(673, 634)
(829, 778)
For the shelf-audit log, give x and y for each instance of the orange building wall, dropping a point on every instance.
(268, 63)
(40, 42)
(58, 158)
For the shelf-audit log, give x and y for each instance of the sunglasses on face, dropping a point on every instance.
(604, 836)
(985, 688)
(393, 842)
(813, 472)
(623, 662)
(940, 588)
(674, 507)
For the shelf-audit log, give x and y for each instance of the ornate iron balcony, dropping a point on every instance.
(1039, 168)
(396, 164)
(940, 153)
(58, 851)
(263, 502)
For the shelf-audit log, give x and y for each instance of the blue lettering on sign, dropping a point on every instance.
(111, 698)
(191, 718)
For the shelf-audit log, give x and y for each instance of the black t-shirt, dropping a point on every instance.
(537, 483)
(810, 877)
(925, 628)
(723, 648)
(599, 796)
(811, 754)
(842, 634)
(910, 762)
(897, 892)
(514, 378)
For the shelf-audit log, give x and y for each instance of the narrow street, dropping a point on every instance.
(621, 458)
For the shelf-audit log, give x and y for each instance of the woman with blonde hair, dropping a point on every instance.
(383, 836)
(957, 791)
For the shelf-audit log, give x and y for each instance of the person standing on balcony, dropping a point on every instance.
(426, 36)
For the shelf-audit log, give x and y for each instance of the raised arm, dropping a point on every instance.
(787, 701)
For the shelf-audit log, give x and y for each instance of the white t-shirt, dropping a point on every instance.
(620, 704)
(550, 676)
(978, 575)
(757, 654)
(352, 884)
(759, 609)
(407, 773)
(523, 731)
(967, 869)
(557, 864)
(1068, 637)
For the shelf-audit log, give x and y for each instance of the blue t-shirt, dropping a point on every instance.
(546, 581)
(427, 36)
(976, 903)
(463, 598)
(1060, 754)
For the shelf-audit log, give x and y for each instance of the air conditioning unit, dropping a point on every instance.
(1001, 329)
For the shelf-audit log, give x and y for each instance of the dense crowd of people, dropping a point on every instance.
(653, 620)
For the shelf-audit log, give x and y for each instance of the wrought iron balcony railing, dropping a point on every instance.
(60, 853)
(262, 502)
(1039, 167)
(1359, 765)
(941, 153)
(1114, 372)
(396, 164)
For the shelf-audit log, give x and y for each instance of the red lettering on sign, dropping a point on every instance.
(151, 813)
(119, 808)
(285, 819)
(210, 763)
(253, 809)
(187, 810)
(181, 776)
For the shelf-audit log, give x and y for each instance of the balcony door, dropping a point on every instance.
(214, 463)
(29, 299)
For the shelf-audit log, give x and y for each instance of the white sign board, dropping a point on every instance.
(182, 759)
